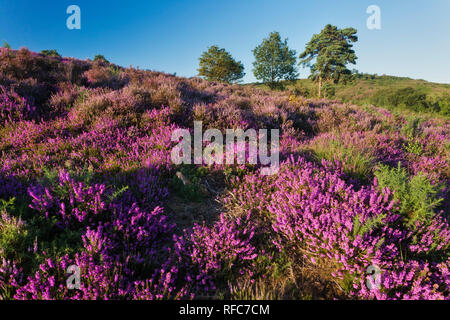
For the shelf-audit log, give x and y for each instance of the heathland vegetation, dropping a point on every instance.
(86, 180)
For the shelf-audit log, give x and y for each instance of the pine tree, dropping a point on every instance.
(332, 49)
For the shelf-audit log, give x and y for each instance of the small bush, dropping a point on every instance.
(301, 90)
(412, 128)
(51, 53)
(328, 91)
(417, 197)
(13, 234)
(104, 75)
(186, 183)
(100, 57)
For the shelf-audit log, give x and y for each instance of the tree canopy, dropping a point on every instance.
(217, 64)
(332, 51)
(274, 61)
(100, 57)
(51, 53)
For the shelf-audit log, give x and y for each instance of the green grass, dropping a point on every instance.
(356, 164)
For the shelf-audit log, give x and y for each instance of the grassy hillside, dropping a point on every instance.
(87, 181)
(383, 91)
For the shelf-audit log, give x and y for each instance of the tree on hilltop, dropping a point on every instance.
(274, 61)
(100, 57)
(332, 51)
(51, 53)
(216, 64)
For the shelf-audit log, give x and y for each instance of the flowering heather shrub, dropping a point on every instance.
(71, 201)
(85, 151)
(436, 169)
(9, 275)
(65, 98)
(101, 280)
(13, 107)
(10, 187)
(102, 74)
(353, 236)
(218, 252)
(23, 64)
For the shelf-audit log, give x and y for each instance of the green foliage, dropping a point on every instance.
(301, 90)
(118, 193)
(274, 268)
(188, 192)
(6, 45)
(384, 91)
(332, 50)
(274, 61)
(444, 104)
(412, 128)
(356, 164)
(5, 205)
(50, 176)
(100, 57)
(277, 274)
(115, 70)
(414, 147)
(51, 53)
(417, 197)
(216, 64)
(328, 91)
(188, 187)
(405, 98)
(368, 225)
(13, 234)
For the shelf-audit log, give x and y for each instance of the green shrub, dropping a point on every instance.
(414, 147)
(412, 128)
(13, 234)
(100, 57)
(186, 183)
(406, 98)
(368, 225)
(51, 53)
(301, 90)
(444, 105)
(328, 91)
(417, 197)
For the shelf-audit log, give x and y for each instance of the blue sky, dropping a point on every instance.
(170, 35)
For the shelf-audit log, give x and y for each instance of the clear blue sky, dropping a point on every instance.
(170, 35)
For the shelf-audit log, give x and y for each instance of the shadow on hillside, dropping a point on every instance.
(150, 187)
(187, 212)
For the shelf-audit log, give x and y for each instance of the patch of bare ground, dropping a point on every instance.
(185, 213)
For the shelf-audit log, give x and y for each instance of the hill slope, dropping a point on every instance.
(393, 93)
(86, 179)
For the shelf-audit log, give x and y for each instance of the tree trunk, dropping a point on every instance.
(320, 87)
